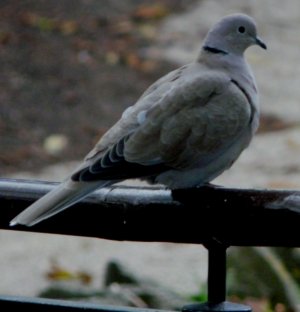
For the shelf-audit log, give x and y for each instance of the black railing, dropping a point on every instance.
(213, 216)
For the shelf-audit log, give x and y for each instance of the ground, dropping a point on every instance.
(69, 69)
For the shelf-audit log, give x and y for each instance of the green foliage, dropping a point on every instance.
(261, 272)
(201, 296)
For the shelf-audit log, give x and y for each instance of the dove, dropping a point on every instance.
(185, 130)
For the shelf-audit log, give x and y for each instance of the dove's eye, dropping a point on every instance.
(241, 29)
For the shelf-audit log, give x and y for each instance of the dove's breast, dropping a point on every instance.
(232, 119)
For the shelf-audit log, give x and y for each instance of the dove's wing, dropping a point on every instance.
(189, 125)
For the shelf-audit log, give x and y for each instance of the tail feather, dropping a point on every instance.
(61, 197)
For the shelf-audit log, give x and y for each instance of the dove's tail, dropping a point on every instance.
(60, 198)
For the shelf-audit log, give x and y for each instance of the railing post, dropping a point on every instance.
(216, 281)
(216, 284)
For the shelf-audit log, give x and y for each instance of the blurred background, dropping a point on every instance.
(69, 69)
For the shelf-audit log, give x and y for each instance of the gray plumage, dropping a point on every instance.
(185, 130)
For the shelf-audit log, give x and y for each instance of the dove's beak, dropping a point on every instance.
(260, 43)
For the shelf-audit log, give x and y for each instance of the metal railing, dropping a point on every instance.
(215, 217)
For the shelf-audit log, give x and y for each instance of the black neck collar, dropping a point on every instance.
(214, 50)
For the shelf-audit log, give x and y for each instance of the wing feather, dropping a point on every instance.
(190, 124)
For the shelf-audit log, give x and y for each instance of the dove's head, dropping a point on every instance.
(233, 34)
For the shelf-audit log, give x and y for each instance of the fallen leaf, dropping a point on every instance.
(68, 27)
(148, 31)
(282, 185)
(112, 58)
(5, 37)
(55, 144)
(58, 273)
(150, 12)
(269, 122)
